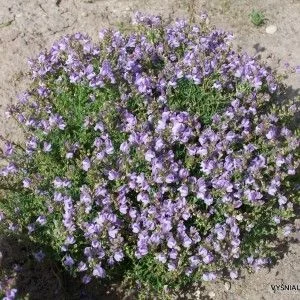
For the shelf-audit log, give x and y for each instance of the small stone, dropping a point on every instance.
(227, 286)
(211, 294)
(271, 29)
(84, 14)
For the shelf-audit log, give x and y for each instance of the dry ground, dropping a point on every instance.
(27, 26)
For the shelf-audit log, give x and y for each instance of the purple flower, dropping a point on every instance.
(170, 178)
(39, 256)
(172, 266)
(41, 220)
(47, 147)
(86, 279)
(220, 231)
(100, 155)
(32, 143)
(171, 243)
(159, 144)
(9, 149)
(202, 251)
(161, 257)
(113, 175)
(82, 266)
(166, 225)
(187, 242)
(208, 258)
(118, 256)
(123, 209)
(86, 164)
(177, 128)
(106, 71)
(217, 85)
(207, 166)
(99, 126)
(209, 276)
(124, 147)
(70, 240)
(233, 274)
(173, 254)
(10, 169)
(26, 183)
(43, 91)
(68, 261)
(69, 155)
(271, 134)
(208, 200)
(10, 294)
(95, 244)
(149, 155)
(143, 197)
(253, 195)
(259, 162)
(282, 200)
(272, 190)
(112, 232)
(58, 197)
(135, 228)
(143, 84)
(287, 230)
(57, 120)
(60, 183)
(184, 190)
(31, 228)
(109, 149)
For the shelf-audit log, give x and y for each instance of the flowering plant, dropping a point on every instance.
(160, 155)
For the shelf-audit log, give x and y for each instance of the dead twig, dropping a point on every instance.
(42, 8)
(5, 24)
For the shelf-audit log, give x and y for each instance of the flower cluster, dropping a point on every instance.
(111, 171)
(7, 285)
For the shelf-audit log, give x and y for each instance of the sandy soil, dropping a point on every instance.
(28, 26)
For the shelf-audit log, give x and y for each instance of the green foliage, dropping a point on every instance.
(196, 202)
(204, 100)
(257, 18)
(201, 100)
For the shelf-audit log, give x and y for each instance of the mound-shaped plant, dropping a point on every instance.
(158, 156)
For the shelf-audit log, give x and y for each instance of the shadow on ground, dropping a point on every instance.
(43, 280)
(46, 280)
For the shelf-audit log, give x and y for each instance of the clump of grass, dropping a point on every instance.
(257, 17)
